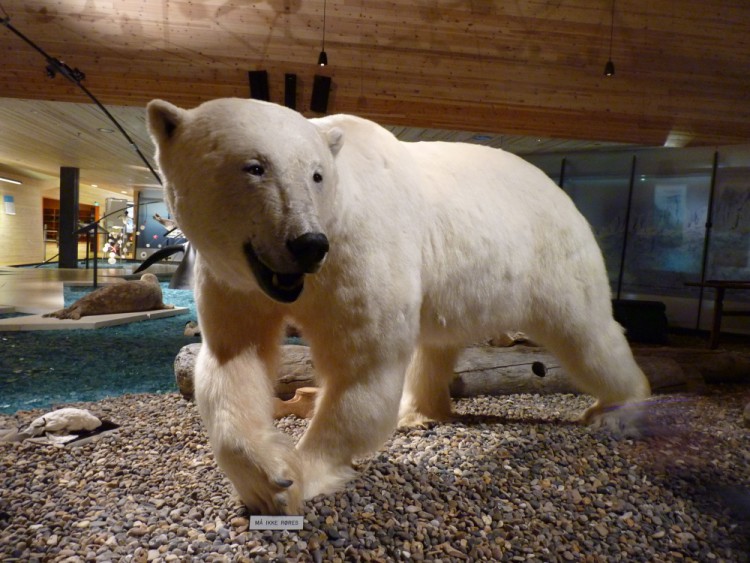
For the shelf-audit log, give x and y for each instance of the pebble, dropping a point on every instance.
(513, 478)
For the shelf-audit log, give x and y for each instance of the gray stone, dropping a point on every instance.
(184, 364)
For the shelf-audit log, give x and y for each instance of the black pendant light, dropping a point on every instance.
(609, 68)
(323, 57)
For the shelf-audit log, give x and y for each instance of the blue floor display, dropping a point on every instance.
(46, 368)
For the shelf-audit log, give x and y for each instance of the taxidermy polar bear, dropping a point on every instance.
(390, 256)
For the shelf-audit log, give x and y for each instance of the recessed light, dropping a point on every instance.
(9, 180)
(105, 130)
(94, 185)
(123, 192)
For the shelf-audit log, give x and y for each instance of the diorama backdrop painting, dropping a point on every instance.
(666, 229)
(729, 251)
(665, 235)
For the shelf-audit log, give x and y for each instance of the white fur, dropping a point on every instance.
(432, 246)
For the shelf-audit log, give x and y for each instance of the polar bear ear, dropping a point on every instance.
(335, 139)
(163, 119)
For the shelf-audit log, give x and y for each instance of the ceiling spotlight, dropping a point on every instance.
(323, 57)
(609, 68)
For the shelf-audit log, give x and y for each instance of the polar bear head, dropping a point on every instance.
(250, 184)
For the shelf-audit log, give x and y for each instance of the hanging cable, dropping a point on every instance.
(323, 57)
(609, 68)
(56, 66)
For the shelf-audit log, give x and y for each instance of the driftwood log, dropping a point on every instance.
(302, 405)
(295, 370)
(486, 370)
(714, 366)
(504, 371)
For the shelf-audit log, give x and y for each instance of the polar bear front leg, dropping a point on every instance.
(234, 388)
(355, 414)
(234, 400)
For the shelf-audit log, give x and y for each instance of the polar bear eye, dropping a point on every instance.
(254, 169)
(317, 178)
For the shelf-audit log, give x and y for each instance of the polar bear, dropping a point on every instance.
(390, 256)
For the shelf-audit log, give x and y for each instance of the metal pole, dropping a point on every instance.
(96, 253)
(88, 247)
(707, 237)
(627, 226)
(563, 163)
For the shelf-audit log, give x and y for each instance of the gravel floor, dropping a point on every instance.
(514, 479)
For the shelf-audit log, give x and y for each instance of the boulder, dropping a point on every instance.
(184, 365)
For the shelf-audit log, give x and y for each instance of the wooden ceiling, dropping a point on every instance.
(504, 68)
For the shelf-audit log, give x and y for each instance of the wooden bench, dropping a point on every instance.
(721, 286)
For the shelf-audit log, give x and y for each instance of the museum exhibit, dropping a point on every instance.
(375, 281)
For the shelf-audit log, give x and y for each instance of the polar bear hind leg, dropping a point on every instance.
(599, 360)
(426, 396)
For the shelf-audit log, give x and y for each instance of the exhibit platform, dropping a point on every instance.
(40, 290)
(38, 322)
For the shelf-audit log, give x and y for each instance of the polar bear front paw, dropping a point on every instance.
(268, 482)
(324, 477)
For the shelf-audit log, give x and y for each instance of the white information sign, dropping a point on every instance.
(276, 522)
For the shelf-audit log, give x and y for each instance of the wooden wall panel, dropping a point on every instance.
(682, 63)
(528, 67)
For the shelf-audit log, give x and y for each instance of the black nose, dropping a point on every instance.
(309, 250)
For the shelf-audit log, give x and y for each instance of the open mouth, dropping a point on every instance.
(285, 288)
